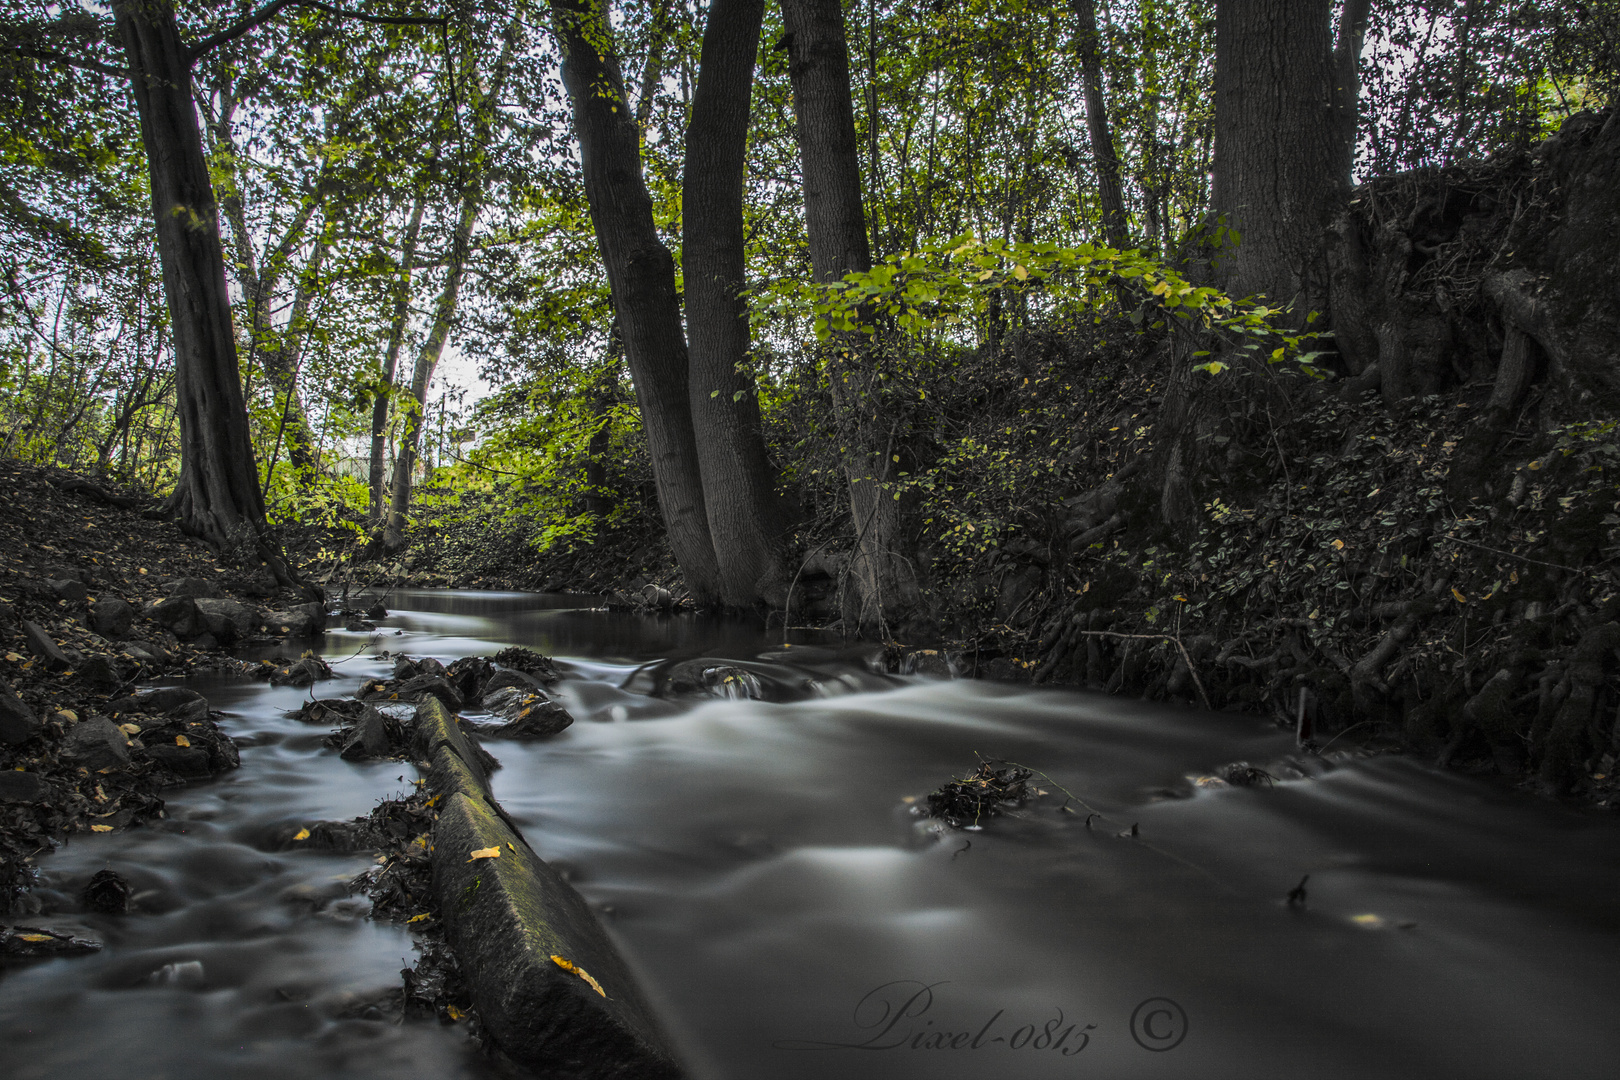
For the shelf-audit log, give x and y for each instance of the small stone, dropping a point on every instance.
(108, 893)
(23, 787)
(17, 721)
(68, 589)
(96, 744)
(194, 587)
(100, 673)
(176, 613)
(111, 617)
(165, 699)
(44, 646)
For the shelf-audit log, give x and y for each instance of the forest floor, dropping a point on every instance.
(79, 751)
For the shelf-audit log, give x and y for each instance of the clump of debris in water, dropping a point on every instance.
(984, 794)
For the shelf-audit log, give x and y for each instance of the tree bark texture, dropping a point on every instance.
(1347, 87)
(884, 588)
(1103, 155)
(1274, 177)
(641, 274)
(738, 492)
(217, 495)
(398, 320)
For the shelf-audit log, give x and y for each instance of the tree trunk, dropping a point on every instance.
(217, 495)
(1275, 186)
(737, 486)
(1347, 87)
(641, 274)
(427, 359)
(1275, 180)
(385, 387)
(1102, 139)
(884, 589)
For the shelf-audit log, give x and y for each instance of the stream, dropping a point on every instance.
(760, 865)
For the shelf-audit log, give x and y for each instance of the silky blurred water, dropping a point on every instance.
(761, 866)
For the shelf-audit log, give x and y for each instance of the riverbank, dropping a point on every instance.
(95, 599)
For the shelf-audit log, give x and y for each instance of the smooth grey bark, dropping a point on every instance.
(641, 275)
(738, 493)
(1106, 159)
(1347, 86)
(380, 404)
(883, 587)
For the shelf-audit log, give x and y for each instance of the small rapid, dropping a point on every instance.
(743, 818)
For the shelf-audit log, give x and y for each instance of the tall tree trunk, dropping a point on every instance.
(1347, 86)
(1275, 159)
(427, 360)
(390, 363)
(1102, 138)
(737, 488)
(641, 274)
(1275, 185)
(217, 496)
(884, 589)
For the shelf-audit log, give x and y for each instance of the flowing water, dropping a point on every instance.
(760, 865)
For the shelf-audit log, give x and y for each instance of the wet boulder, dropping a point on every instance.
(305, 671)
(189, 748)
(470, 676)
(228, 620)
(528, 714)
(177, 614)
(374, 735)
(529, 662)
(107, 892)
(298, 622)
(163, 700)
(96, 744)
(111, 617)
(17, 721)
(38, 941)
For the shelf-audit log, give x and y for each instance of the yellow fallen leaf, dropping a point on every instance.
(301, 834)
(510, 847)
(455, 1013)
(130, 729)
(13, 657)
(1338, 545)
(1372, 922)
(485, 853)
(1461, 599)
(101, 828)
(419, 918)
(574, 969)
(35, 937)
(181, 740)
